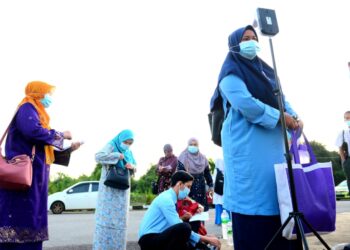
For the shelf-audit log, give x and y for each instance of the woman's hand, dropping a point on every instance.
(67, 135)
(186, 216)
(200, 209)
(121, 157)
(291, 122)
(129, 166)
(75, 145)
(212, 240)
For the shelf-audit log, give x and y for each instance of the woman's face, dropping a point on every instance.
(249, 35)
(168, 153)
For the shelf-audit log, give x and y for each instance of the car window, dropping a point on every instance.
(94, 187)
(79, 189)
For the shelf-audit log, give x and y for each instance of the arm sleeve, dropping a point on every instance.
(28, 123)
(252, 109)
(208, 177)
(107, 156)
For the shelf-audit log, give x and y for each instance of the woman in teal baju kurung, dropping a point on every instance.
(113, 204)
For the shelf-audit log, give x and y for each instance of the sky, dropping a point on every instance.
(152, 66)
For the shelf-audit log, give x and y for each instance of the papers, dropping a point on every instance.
(203, 216)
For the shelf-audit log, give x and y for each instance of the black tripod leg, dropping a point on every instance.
(316, 233)
(302, 234)
(279, 231)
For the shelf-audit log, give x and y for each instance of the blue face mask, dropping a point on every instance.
(347, 123)
(46, 101)
(192, 149)
(124, 146)
(249, 49)
(183, 193)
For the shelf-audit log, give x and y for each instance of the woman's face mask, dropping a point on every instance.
(193, 149)
(183, 193)
(249, 49)
(124, 146)
(46, 101)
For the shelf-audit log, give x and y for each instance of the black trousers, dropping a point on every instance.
(254, 232)
(174, 238)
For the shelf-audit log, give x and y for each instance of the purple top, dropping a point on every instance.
(23, 214)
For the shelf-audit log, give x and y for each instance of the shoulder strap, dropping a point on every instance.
(7, 130)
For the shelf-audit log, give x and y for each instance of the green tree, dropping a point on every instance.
(96, 174)
(144, 184)
(211, 165)
(323, 155)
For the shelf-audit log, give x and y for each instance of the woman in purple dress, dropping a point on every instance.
(166, 168)
(23, 214)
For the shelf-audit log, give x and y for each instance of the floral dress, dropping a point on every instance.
(112, 208)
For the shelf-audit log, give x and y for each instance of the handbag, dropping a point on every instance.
(118, 176)
(315, 193)
(16, 173)
(216, 118)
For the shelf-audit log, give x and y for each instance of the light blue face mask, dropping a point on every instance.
(46, 101)
(249, 49)
(124, 146)
(347, 123)
(183, 193)
(192, 149)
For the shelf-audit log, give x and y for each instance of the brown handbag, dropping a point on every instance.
(17, 173)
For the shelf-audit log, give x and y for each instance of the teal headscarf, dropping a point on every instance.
(116, 141)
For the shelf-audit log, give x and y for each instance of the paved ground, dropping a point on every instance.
(73, 231)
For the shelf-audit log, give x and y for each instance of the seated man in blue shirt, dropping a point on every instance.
(161, 227)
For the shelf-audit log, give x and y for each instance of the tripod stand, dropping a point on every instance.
(295, 214)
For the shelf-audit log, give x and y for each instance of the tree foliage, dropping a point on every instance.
(141, 189)
(323, 155)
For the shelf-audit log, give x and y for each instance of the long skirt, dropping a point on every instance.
(111, 217)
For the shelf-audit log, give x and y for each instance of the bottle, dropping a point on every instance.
(224, 220)
(229, 233)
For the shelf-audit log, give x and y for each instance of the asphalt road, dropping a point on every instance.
(74, 230)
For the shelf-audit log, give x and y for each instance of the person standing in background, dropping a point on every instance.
(342, 143)
(218, 187)
(166, 168)
(195, 163)
(113, 204)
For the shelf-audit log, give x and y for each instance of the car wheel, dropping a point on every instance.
(57, 207)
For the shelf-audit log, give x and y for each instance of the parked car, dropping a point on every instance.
(341, 190)
(82, 195)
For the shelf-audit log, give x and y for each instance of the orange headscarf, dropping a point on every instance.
(35, 91)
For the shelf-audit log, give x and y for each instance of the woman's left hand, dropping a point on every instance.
(200, 209)
(129, 166)
(75, 145)
(211, 192)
